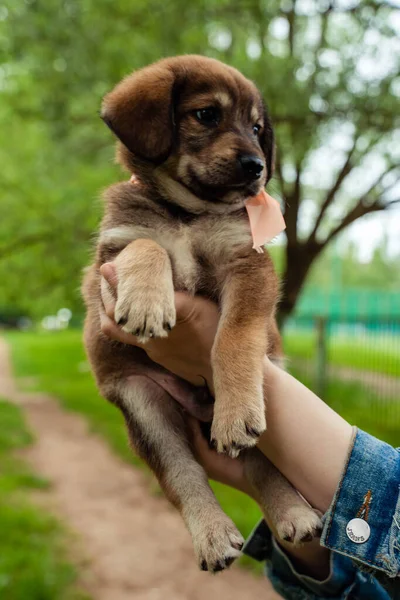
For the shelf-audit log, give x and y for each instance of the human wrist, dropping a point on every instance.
(311, 559)
(306, 440)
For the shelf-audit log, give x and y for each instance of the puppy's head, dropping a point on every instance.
(195, 121)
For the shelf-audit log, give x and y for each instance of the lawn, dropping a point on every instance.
(55, 363)
(33, 556)
(366, 351)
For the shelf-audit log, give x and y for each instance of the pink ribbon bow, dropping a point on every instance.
(266, 219)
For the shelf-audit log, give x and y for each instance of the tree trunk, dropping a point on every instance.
(299, 258)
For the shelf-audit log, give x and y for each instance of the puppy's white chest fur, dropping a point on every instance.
(216, 240)
(181, 250)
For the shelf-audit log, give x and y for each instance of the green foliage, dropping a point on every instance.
(59, 58)
(32, 554)
(343, 269)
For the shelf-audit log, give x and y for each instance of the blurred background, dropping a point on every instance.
(329, 71)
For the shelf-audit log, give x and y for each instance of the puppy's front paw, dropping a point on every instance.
(299, 524)
(237, 425)
(217, 545)
(145, 310)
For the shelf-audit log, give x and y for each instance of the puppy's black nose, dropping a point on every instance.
(252, 166)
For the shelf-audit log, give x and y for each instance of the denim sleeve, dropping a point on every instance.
(369, 491)
(344, 582)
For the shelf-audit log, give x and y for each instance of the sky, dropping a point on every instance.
(380, 58)
(370, 231)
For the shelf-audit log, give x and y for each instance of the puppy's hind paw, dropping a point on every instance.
(234, 431)
(299, 524)
(218, 546)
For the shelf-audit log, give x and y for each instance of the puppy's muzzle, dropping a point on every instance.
(252, 167)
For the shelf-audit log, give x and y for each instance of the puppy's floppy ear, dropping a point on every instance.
(140, 111)
(267, 142)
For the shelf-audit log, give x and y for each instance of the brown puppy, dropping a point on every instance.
(198, 138)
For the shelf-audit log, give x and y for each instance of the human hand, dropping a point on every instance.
(219, 467)
(187, 349)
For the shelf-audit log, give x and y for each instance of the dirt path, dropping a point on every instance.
(136, 545)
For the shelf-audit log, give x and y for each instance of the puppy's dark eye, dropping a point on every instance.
(256, 129)
(208, 116)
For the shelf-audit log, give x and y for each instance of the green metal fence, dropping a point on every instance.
(346, 347)
(349, 304)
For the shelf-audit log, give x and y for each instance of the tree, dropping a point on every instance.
(343, 89)
(329, 72)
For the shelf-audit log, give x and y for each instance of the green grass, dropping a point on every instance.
(57, 363)
(369, 353)
(33, 556)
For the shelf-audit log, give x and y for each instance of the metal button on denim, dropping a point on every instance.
(358, 531)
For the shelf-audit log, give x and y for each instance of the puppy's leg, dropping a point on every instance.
(145, 296)
(158, 432)
(241, 343)
(293, 519)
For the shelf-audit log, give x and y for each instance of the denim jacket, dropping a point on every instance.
(361, 528)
